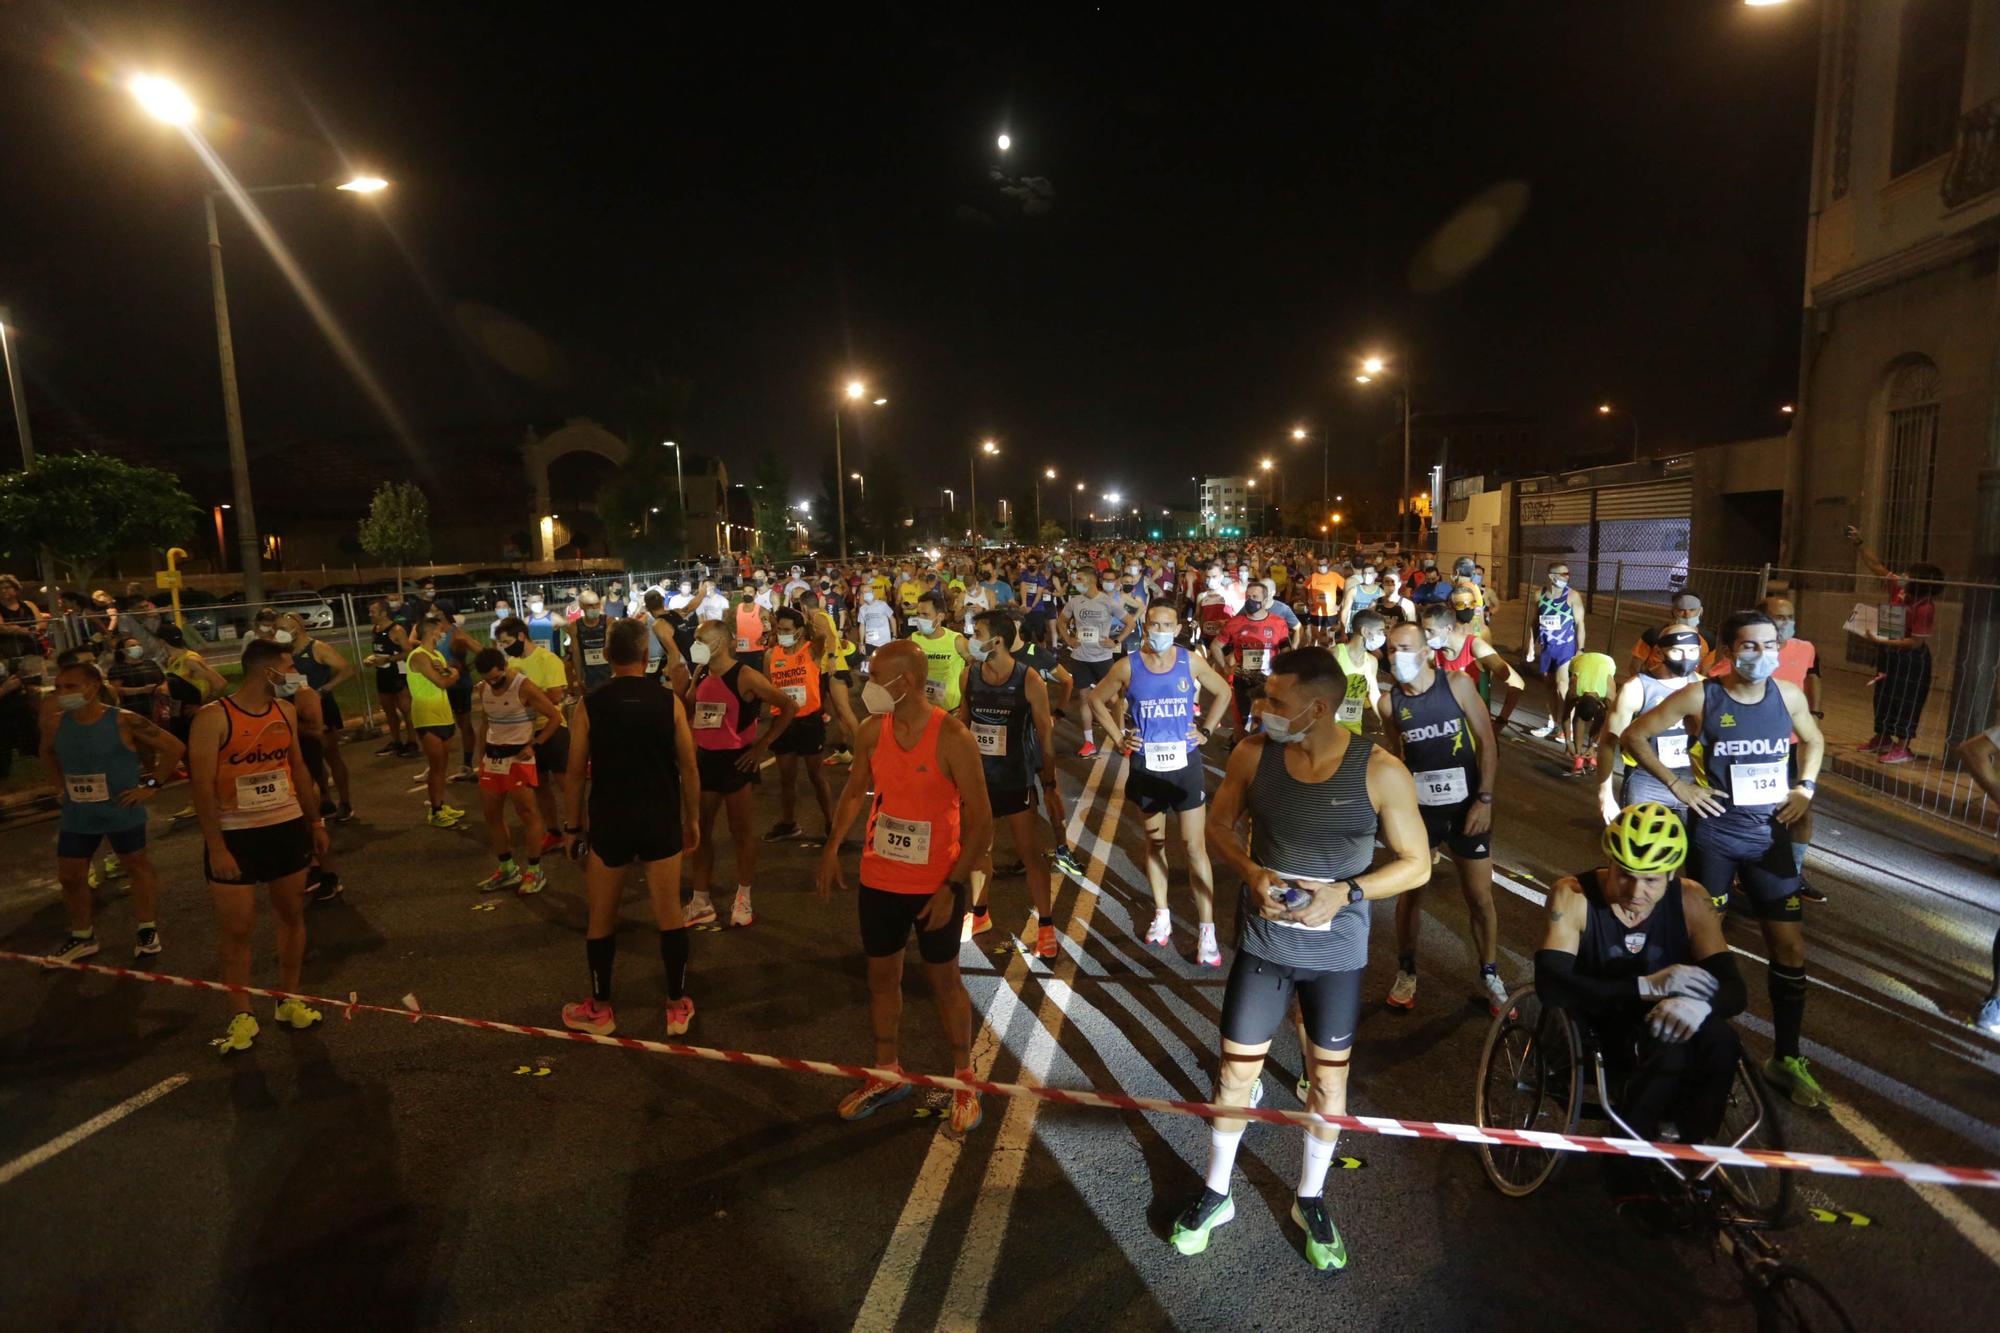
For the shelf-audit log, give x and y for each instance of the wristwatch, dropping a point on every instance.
(1207, 733)
(1809, 786)
(150, 781)
(1354, 892)
(1486, 798)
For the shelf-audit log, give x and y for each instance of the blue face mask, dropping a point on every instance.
(1757, 666)
(1160, 640)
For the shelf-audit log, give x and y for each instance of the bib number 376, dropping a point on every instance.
(905, 840)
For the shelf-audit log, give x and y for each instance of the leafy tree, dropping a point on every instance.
(1021, 515)
(86, 508)
(1052, 532)
(888, 505)
(770, 509)
(641, 509)
(398, 527)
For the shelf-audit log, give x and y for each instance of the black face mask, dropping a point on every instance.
(515, 649)
(1464, 614)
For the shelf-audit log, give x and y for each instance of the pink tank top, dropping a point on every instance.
(722, 721)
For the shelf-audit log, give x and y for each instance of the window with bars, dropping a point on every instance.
(1909, 473)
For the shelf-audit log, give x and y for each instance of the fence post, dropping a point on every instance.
(364, 676)
(1764, 582)
(1617, 598)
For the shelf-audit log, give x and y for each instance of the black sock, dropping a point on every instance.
(534, 863)
(674, 958)
(1407, 962)
(1788, 1006)
(506, 859)
(600, 952)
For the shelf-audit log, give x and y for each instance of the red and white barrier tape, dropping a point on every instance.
(1819, 1163)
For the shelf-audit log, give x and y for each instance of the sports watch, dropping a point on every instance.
(1354, 891)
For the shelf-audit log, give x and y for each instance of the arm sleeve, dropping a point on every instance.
(1558, 985)
(1730, 996)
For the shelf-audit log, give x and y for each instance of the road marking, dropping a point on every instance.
(890, 1286)
(29, 1161)
(1977, 1230)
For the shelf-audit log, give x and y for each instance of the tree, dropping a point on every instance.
(86, 508)
(641, 509)
(888, 504)
(1052, 532)
(398, 527)
(770, 483)
(1021, 515)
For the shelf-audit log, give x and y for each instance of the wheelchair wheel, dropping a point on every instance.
(1530, 1077)
(1751, 1121)
(1797, 1302)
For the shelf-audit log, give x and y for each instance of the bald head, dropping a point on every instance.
(899, 662)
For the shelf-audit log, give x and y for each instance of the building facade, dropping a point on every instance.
(1225, 506)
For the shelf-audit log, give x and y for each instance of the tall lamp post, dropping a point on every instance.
(972, 491)
(856, 390)
(1325, 471)
(1072, 511)
(1050, 474)
(1607, 410)
(1372, 369)
(20, 396)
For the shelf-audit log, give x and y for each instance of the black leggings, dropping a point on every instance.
(1687, 1082)
(1254, 1003)
(1900, 694)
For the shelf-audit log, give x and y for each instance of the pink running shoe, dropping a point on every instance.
(1897, 754)
(680, 1013)
(1871, 745)
(589, 1016)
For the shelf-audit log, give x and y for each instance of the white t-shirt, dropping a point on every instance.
(713, 607)
(877, 621)
(679, 601)
(1092, 617)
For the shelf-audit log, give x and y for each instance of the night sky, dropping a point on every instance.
(1221, 219)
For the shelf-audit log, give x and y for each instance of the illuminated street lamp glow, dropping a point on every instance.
(1298, 432)
(1362, 379)
(162, 99)
(364, 185)
(855, 388)
(988, 447)
(881, 402)
(1786, 409)
(1050, 473)
(1604, 409)
(1005, 141)
(1373, 365)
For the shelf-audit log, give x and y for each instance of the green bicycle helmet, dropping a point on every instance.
(1647, 839)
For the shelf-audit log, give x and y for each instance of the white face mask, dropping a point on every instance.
(133, 652)
(877, 699)
(1438, 641)
(1406, 667)
(1756, 666)
(1160, 640)
(1373, 642)
(1786, 629)
(980, 649)
(788, 640)
(867, 596)
(699, 653)
(289, 684)
(1367, 576)
(535, 607)
(1284, 730)
(924, 624)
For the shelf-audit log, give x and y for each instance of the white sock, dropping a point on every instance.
(743, 890)
(699, 896)
(1087, 734)
(1312, 1170)
(1162, 914)
(1222, 1145)
(1208, 932)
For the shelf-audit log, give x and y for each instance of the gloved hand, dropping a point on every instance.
(1676, 1017)
(1679, 979)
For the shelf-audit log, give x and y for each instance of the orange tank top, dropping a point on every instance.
(749, 628)
(796, 674)
(253, 769)
(913, 826)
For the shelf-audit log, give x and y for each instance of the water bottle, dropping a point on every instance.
(1294, 897)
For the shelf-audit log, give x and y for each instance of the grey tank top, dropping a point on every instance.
(1322, 831)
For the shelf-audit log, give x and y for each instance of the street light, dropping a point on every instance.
(856, 390)
(1372, 368)
(1606, 410)
(363, 185)
(972, 494)
(1072, 510)
(1005, 141)
(1050, 474)
(162, 99)
(860, 482)
(1325, 464)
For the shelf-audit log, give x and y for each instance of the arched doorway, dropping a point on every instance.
(565, 469)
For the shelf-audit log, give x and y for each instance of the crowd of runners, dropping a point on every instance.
(1352, 702)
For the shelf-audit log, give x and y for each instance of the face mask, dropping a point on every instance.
(924, 624)
(1560, 584)
(1367, 576)
(593, 613)
(788, 640)
(1374, 642)
(1756, 666)
(1253, 606)
(282, 636)
(877, 699)
(288, 684)
(395, 603)
(867, 596)
(133, 652)
(70, 700)
(1438, 641)
(1284, 730)
(1322, 566)
(515, 649)
(1430, 564)
(1463, 614)
(1406, 667)
(1681, 666)
(699, 653)
(502, 612)
(1478, 580)
(1160, 640)
(979, 648)
(534, 608)
(1785, 630)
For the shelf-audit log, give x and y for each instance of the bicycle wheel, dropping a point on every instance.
(1751, 1121)
(1794, 1301)
(1530, 1077)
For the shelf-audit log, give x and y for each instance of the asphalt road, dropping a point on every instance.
(382, 1174)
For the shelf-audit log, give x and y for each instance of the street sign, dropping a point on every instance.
(167, 579)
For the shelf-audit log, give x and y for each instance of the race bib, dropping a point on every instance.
(934, 691)
(1550, 624)
(498, 767)
(1757, 784)
(402, 667)
(1349, 710)
(87, 787)
(1253, 659)
(1088, 634)
(708, 714)
(263, 791)
(1892, 620)
(905, 840)
(796, 693)
(1672, 747)
(875, 638)
(593, 657)
(1166, 756)
(744, 645)
(1441, 786)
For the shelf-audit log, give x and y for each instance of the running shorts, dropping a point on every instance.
(71, 845)
(1260, 991)
(1754, 851)
(460, 697)
(620, 838)
(1554, 655)
(888, 918)
(265, 855)
(503, 768)
(552, 755)
(444, 731)
(1175, 791)
(1088, 674)
(1010, 800)
(719, 773)
(806, 736)
(1444, 824)
(329, 711)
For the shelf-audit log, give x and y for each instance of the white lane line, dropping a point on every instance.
(1978, 1232)
(29, 1161)
(890, 1286)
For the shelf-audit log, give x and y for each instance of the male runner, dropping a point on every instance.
(1556, 634)
(457, 648)
(1438, 725)
(1680, 660)
(545, 671)
(1006, 706)
(794, 668)
(1584, 704)
(1359, 595)
(1243, 650)
(1167, 683)
(390, 643)
(1361, 666)
(943, 648)
(1745, 795)
(1325, 588)
(928, 823)
(326, 669)
(836, 664)
(723, 702)
(1798, 663)
(587, 663)
(509, 704)
(752, 624)
(1316, 795)
(92, 753)
(1089, 625)
(431, 677)
(246, 771)
(634, 747)
(1451, 631)
(1645, 654)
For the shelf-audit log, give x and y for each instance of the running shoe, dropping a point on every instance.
(589, 1016)
(409, 750)
(1871, 745)
(1086, 750)
(390, 748)
(1810, 892)
(1495, 991)
(343, 812)
(785, 832)
(982, 921)
(1067, 863)
(1012, 870)
(1789, 1075)
(550, 841)
(1989, 1016)
(328, 889)
(533, 880)
(739, 911)
(1324, 1248)
(871, 1097)
(113, 868)
(464, 774)
(242, 1030)
(185, 812)
(838, 757)
(1045, 942)
(1543, 732)
(1208, 953)
(442, 817)
(148, 942)
(700, 911)
(93, 879)
(1198, 1222)
(504, 877)
(1576, 765)
(326, 809)
(1162, 929)
(966, 1113)
(452, 810)
(1590, 761)
(296, 1014)
(1897, 754)
(680, 1013)
(1403, 994)
(73, 948)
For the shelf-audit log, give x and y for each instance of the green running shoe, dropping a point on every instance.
(1788, 1073)
(241, 1032)
(1193, 1227)
(297, 1014)
(1324, 1247)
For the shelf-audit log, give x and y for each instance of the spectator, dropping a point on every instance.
(1904, 680)
(136, 679)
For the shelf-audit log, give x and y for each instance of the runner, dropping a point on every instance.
(635, 748)
(1451, 630)
(722, 700)
(1555, 635)
(1089, 625)
(246, 770)
(836, 665)
(458, 648)
(1439, 727)
(1006, 706)
(752, 623)
(1316, 795)
(1359, 595)
(1798, 663)
(1363, 669)
(1743, 812)
(1056, 688)
(543, 628)
(392, 674)
(795, 671)
(1168, 683)
(509, 705)
(325, 670)
(431, 678)
(1243, 650)
(1680, 660)
(664, 656)
(92, 754)
(546, 672)
(587, 663)
(928, 824)
(1584, 705)
(1645, 653)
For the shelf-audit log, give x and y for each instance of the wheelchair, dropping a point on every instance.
(1541, 1069)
